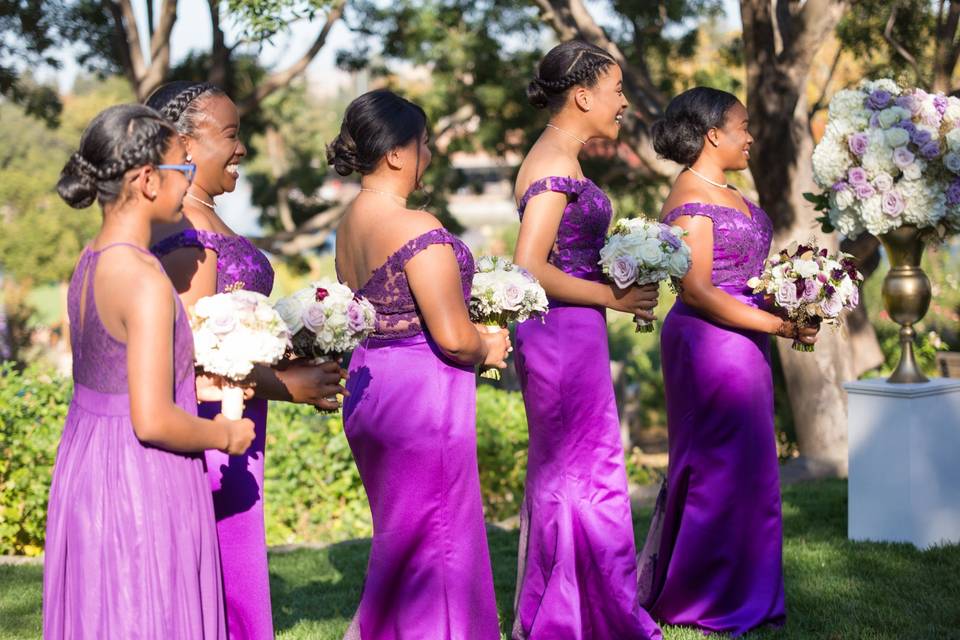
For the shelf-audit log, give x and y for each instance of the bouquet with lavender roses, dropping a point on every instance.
(232, 332)
(326, 319)
(809, 285)
(642, 251)
(503, 293)
(889, 157)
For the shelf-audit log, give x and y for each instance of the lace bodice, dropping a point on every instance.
(740, 244)
(583, 227)
(239, 262)
(99, 359)
(389, 291)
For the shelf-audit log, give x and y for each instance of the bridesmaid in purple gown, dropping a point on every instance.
(131, 548)
(203, 256)
(410, 416)
(577, 573)
(713, 557)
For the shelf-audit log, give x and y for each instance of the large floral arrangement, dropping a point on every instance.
(642, 251)
(232, 332)
(889, 157)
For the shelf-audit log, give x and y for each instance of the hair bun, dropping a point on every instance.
(537, 95)
(78, 182)
(342, 154)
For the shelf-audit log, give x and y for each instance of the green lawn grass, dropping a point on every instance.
(836, 589)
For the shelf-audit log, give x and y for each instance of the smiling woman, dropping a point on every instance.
(203, 256)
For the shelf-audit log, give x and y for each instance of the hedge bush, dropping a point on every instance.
(33, 407)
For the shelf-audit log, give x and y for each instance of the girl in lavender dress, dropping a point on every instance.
(203, 256)
(713, 557)
(410, 416)
(131, 547)
(577, 573)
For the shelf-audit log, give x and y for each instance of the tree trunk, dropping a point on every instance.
(778, 53)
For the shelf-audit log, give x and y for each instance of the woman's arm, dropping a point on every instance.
(538, 233)
(698, 292)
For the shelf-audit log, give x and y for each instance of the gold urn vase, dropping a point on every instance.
(906, 295)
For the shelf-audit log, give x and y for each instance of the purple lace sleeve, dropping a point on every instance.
(197, 238)
(561, 184)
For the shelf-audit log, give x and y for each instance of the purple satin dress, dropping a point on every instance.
(713, 559)
(131, 547)
(577, 572)
(237, 481)
(410, 420)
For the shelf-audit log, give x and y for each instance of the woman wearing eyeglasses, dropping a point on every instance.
(203, 256)
(131, 548)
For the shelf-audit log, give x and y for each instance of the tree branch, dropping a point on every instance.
(123, 10)
(899, 48)
(283, 78)
(310, 235)
(947, 47)
(821, 102)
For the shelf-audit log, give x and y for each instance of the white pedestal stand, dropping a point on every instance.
(904, 476)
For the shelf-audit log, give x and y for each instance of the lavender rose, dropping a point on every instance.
(892, 203)
(902, 157)
(222, 323)
(879, 99)
(624, 272)
(669, 238)
(930, 150)
(786, 295)
(314, 318)
(857, 176)
(858, 143)
(865, 191)
(920, 137)
(356, 321)
(831, 306)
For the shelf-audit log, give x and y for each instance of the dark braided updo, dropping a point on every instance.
(120, 138)
(678, 136)
(179, 102)
(568, 64)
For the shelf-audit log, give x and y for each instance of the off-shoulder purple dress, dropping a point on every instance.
(577, 573)
(715, 559)
(131, 547)
(410, 419)
(237, 481)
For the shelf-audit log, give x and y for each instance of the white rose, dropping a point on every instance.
(844, 199)
(913, 171)
(290, 311)
(679, 264)
(806, 268)
(890, 116)
(650, 254)
(953, 139)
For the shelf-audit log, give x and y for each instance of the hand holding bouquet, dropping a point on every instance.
(640, 251)
(503, 293)
(810, 286)
(232, 332)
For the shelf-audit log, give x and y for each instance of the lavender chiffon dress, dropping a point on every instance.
(577, 572)
(410, 420)
(131, 547)
(713, 559)
(237, 481)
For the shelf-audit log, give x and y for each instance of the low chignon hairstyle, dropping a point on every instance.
(373, 124)
(568, 64)
(120, 138)
(678, 136)
(180, 102)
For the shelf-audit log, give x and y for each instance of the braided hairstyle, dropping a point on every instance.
(568, 64)
(678, 136)
(373, 124)
(179, 102)
(120, 138)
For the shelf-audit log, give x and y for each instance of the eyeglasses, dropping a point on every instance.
(188, 170)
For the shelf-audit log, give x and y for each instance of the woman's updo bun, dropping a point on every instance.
(373, 124)
(120, 138)
(678, 136)
(568, 64)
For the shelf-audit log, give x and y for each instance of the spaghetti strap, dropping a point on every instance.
(122, 244)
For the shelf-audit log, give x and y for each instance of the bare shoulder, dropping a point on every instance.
(540, 164)
(139, 277)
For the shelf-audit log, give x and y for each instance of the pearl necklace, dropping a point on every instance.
(399, 199)
(722, 185)
(566, 133)
(203, 202)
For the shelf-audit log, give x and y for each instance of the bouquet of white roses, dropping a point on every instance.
(326, 319)
(809, 285)
(642, 251)
(503, 293)
(231, 333)
(889, 157)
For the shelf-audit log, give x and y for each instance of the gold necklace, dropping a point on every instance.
(399, 199)
(566, 133)
(203, 202)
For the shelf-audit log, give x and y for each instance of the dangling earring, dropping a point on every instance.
(189, 158)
